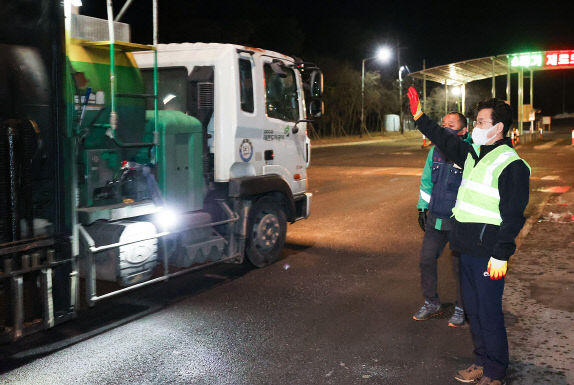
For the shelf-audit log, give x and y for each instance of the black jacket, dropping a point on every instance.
(481, 239)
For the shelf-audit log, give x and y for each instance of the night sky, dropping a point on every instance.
(438, 32)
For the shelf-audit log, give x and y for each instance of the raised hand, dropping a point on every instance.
(416, 109)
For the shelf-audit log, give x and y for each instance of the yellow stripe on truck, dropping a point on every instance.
(77, 52)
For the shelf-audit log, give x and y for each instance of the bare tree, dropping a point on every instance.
(343, 100)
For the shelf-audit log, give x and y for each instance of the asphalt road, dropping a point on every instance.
(336, 309)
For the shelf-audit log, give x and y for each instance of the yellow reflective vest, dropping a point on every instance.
(478, 198)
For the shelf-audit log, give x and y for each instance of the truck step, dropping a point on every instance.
(208, 250)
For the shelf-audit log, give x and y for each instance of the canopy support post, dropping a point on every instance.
(493, 88)
(463, 98)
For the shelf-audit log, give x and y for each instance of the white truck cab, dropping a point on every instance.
(252, 103)
(257, 126)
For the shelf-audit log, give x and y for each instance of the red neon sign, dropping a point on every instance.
(559, 58)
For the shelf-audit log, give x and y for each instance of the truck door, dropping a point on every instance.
(283, 108)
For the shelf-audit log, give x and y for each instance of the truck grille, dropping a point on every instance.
(205, 95)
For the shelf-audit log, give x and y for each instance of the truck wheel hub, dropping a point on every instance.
(267, 232)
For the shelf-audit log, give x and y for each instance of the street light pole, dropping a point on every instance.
(362, 99)
(382, 55)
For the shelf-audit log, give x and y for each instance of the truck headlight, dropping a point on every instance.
(167, 219)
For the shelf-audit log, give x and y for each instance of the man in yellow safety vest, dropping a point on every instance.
(488, 215)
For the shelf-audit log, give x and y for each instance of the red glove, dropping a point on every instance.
(416, 109)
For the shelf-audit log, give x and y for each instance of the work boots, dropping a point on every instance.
(471, 374)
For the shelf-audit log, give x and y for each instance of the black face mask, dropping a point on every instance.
(451, 131)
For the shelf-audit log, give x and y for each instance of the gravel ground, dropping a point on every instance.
(539, 292)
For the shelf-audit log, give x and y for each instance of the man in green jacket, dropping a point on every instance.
(439, 186)
(488, 215)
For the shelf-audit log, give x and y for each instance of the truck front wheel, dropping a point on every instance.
(267, 228)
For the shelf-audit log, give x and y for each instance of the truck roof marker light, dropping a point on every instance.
(253, 49)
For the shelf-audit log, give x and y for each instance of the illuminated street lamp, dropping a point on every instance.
(383, 55)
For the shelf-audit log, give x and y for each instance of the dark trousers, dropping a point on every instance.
(433, 245)
(482, 298)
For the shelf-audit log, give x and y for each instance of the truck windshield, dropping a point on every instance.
(172, 88)
(282, 100)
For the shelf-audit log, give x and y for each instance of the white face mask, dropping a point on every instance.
(480, 135)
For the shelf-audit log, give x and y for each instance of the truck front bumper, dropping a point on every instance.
(302, 206)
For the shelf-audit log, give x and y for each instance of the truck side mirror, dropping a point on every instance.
(316, 83)
(316, 108)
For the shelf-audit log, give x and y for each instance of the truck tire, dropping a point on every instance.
(266, 228)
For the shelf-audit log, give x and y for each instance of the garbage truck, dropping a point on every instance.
(129, 164)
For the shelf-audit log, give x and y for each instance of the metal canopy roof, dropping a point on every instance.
(455, 74)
